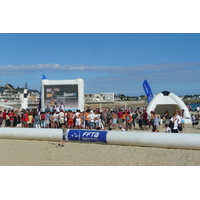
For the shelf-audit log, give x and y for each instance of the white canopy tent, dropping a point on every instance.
(168, 101)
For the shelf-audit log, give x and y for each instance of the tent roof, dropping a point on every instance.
(163, 100)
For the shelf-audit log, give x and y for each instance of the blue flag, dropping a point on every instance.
(43, 77)
(148, 91)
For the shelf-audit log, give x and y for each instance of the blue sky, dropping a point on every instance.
(108, 62)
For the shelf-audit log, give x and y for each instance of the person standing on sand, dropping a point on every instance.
(134, 117)
(43, 120)
(47, 119)
(25, 119)
(78, 117)
(30, 120)
(87, 122)
(152, 118)
(124, 119)
(114, 119)
(109, 117)
(174, 122)
(11, 115)
(36, 118)
(65, 115)
(145, 119)
(195, 120)
(140, 121)
(4, 118)
(70, 121)
(119, 116)
(128, 121)
(179, 117)
(62, 118)
(156, 123)
(1, 118)
(96, 120)
(91, 117)
(52, 120)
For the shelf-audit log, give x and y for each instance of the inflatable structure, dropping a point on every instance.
(158, 139)
(168, 101)
(31, 134)
(66, 94)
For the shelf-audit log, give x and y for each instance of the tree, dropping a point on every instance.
(122, 97)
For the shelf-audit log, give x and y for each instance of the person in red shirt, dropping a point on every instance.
(25, 119)
(11, 115)
(145, 119)
(120, 115)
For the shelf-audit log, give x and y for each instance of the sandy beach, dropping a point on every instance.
(45, 153)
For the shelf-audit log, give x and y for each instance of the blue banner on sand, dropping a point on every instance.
(87, 135)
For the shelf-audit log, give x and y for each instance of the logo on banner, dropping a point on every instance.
(70, 95)
(89, 136)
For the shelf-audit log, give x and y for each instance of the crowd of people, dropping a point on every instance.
(125, 120)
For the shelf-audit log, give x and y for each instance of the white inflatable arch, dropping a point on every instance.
(168, 101)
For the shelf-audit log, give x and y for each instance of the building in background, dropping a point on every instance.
(10, 94)
(99, 97)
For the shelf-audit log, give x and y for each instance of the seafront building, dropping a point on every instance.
(9, 95)
(13, 97)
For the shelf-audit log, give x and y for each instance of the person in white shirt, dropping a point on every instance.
(96, 120)
(78, 116)
(168, 129)
(197, 109)
(56, 116)
(179, 121)
(61, 118)
(91, 117)
(174, 121)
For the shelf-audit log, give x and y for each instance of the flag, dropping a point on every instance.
(43, 77)
(148, 91)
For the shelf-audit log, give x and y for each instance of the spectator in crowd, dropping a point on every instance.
(91, 117)
(152, 118)
(1, 118)
(36, 118)
(87, 120)
(145, 120)
(174, 123)
(30, 120)
(134, 117)
(155, 123)
(43, 120)
(168, 129)
(119, 116)
(128, 121)
(140, 121)
(114, 120)
(47, 119)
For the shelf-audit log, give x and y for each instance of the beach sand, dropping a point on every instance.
(45, 153)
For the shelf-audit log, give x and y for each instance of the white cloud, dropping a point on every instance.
(151, 68)
(121, 79)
